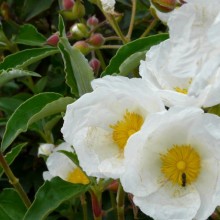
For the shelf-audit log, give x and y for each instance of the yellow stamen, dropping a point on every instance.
(77, 176)
(178, 89)
(181, 161)
(123, 129)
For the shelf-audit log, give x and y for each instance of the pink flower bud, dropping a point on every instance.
(92, 21)
(68, 4)
(53, 39)
(82, 46)
(96, 40)
(95, 64)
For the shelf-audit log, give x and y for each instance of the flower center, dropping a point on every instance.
(123, 129)
(178, 89)
(77, 176)
(181, 165)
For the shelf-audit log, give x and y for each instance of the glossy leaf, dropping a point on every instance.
(51, 195)
(10, 156)
(24, 34)
(32, 110)
(131, 63)
(24, 58)
(127, 50)
(33, 8)
(77, 69)
(11, 206)
(10, 74)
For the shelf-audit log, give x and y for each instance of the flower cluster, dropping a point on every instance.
(152, 132)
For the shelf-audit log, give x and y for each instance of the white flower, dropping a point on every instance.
(60, 165)
(45, 149)
(172, 165)
(99, 124)
(185, 68)
(108, 6)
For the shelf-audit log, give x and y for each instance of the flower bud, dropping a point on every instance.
(95, 64)
(96, 40)
(79, 31)
(68, 4)
(92, 21)
(45, 149)
(53, 39)
(82, 46)
(78, 9)
(164, 5)
(5, 11)
(113, 186)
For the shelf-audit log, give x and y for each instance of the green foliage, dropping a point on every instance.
(51, 195)
(78, 71)
(27, 30)
(32, 110)
(136, 49)
(11, 205)
(10, 74)
(27, 57)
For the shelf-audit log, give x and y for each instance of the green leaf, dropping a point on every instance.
(77, 69)
(51, 195)
(10, 156)
(9, 104)
(29, 35)
(127, 50)
(24, 58)
(7, 75)
(33, 8)
(32, 110)
(11, 206)
(131, 63)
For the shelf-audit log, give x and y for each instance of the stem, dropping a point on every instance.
(14, 181)
(114, 206)
(84, 206)
(150, 27)
(100, 57)
(112, 38)
(116, 27)
(120, 202)
(110, 46)
(134, 4)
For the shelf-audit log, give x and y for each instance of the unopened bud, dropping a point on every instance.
(5, 11)
(45, 149)
(92, 21)
(79, 31)
(95, 64)
(164, 5)
(96, 40)
(53, 39)
(68, 4)
(78, 9)
(82, 46)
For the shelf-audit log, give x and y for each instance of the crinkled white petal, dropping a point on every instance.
(87, 121)
(161, 205)
(108, 5)
(143, 177)
(206, 185)
(190, 56)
